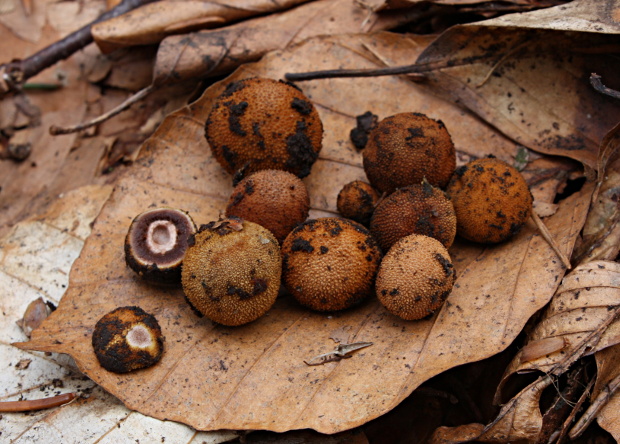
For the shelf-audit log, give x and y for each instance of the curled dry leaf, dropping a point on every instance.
(514, 71)
(215, 377)
(152, 22)
(212, 53)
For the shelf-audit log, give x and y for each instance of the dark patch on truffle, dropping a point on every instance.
(301, 106)
(300, 244)
(233, 87)
(236, 112)
(324, 249)
(233, 290)
(301, 152)
(447, 266)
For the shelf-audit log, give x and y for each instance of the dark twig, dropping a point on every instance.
(16, 72)
(334, 73)
(597, 84)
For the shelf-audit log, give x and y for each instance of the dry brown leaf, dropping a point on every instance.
(608, 364)
(530, 81)
(582, 315)
(215, 377)
(211, 53)
(152, 22)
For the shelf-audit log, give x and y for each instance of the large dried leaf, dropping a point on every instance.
(214, 52)
(152, 22)
(254, 376)
(530, 81)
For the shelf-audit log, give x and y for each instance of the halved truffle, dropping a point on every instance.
(231, 273)
(415, 278)
(491, 199)
(416, 209)
(406, 148)
(276, 199)
(258, 124)
(330, 263)
(127, 339)
(156, 242)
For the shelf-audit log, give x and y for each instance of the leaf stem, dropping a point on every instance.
(36, 404)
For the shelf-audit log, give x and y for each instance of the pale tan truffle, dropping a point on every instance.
(415, 277)
(330, 263)
(259, 123)
(231, 273)
(491, 199)
(276, 199)
(416, 209)
(406, 148)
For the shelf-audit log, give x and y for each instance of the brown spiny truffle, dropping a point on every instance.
(357, 200)
(491, 199)
(127, 339)
(231, 273)
(276, 199)
(156, 242)
(420, 209)
(259, 124)
(406, 148)
(415, 277)
(329, 263)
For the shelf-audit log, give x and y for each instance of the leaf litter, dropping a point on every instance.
(213, 377)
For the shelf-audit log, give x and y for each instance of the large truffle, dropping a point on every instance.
(406, 148)
(231, 273)
(491, 199)
(276, 199)
(420, 209)
(127, 339)
(415, 278)
(330, 263)
(259, 124)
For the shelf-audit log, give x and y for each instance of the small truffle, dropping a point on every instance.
(156, 242)
(415, 277)
(329, 263)
(231, 273)
(406, 148)
(127, 339)
(491, 199)
(357, 201)
(276, 199)
(258, 124)
(420, 209)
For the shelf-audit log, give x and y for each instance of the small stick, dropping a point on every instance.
(16, 72)
(36, 404)
(597, 84)
(335, 73)
(57, 130)
(549, 238)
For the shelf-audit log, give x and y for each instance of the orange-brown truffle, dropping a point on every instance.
(127, 339)
(491, 199)
(276, 199)
(415, 277)
(420, 209)
(231, 272)
(357, 200)
(406, 148)
(258, 124)
(330, 263)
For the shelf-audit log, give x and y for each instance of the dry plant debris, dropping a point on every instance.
(511, 73)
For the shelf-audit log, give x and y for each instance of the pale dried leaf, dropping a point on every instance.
(212, 53)
(608, 363)
(215, 377)
(151, 23)
(530, 81)
(581, 314)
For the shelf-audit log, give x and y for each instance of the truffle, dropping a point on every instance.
(357, 201)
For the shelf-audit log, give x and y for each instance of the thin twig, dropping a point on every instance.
(36, 404)
(550, 240)
(16, 72)
(601, 401)
(56, 130)
(574, 412)
(597, 84)
(375, 72)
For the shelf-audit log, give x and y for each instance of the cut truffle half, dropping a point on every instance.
(156, 242)
(127, 339)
